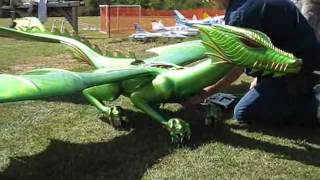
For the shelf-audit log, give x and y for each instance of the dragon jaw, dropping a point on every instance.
(248, 48)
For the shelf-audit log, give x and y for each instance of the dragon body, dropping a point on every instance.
(159, 79)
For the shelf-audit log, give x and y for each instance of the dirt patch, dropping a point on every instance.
(60, 61)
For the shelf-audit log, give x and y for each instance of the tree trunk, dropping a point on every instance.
(311, 10)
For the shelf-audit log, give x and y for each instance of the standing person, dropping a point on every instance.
(289, 98)
(42, 11)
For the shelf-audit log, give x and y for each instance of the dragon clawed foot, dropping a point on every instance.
(179, 130)
(115, 117)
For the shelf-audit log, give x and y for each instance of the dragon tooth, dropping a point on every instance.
(281, 66)
(285, 67)
(277, 65)
(272, 65)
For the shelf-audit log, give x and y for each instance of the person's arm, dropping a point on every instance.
(254, 83)
(233, 75)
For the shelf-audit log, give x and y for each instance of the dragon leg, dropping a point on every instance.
(159, 91)
(109, 92)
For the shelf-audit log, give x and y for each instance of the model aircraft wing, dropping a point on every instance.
(179, 54)
(56, 82)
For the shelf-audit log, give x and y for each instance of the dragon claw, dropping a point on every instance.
(115, 117)
(179, 130)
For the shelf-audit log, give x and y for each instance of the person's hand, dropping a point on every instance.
(253, 83)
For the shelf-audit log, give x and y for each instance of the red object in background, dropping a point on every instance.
(199, 12)
(127, 11)
(103, 19)
(122, 18)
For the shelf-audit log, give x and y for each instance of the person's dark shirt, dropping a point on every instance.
(282, 22)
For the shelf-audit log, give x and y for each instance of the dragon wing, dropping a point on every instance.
(56, 82)
(82, 49)
(32, 29)
(179, 54)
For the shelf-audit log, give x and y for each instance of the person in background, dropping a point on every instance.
(42, 11)
(311, 11)
(291, 98)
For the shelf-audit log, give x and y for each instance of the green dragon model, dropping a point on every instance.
(159, 79)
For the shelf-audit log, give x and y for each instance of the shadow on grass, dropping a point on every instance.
(76, 98)
(130, 156)
(124, 157)
(305, 136)
(309, 138)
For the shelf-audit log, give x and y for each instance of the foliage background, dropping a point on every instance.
(91, 7)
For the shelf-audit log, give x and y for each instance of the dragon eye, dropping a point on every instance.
(251, 44)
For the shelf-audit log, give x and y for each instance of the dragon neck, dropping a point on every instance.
(198, 76)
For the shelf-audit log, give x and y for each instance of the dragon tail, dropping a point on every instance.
(56, 82)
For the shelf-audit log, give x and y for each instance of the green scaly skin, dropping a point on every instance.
(155, 80)
(251, 49)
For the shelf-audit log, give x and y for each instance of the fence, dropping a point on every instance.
(120, 20)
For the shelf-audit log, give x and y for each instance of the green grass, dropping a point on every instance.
(66, 138)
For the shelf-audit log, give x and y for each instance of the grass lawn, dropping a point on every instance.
(65, 138)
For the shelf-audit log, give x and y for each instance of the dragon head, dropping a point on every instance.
(29, 24)
(248, 48)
